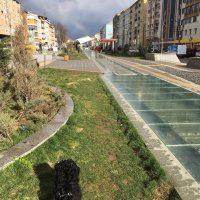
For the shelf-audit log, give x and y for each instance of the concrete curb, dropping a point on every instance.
(183, 182)
(29, 144)
(194, 63)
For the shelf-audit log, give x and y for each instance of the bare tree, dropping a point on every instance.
(26, 81)
(61, 33)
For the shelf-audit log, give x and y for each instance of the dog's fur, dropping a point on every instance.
(66, 181)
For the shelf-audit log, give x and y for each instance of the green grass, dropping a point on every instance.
(126, 56)
(114, 162)
(74, 55)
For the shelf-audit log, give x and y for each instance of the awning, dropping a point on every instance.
(187, 41)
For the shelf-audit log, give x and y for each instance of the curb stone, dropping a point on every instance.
(35, 140)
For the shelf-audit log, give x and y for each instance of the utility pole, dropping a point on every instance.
(163, 26)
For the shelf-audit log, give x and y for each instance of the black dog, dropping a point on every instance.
(66, 181)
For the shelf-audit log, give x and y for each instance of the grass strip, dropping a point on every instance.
(114, 161)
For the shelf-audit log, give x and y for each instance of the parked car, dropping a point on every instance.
(98, 49)
(156, 51)
(50, 49)
(190, 52)
(197, 54)
(133, 50)
(180, 50)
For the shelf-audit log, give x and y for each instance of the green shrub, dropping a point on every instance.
(65, 50)
(7, 125)
(31, 106)
(6, 102)
(31, 127)
(5, 55)
(38, 118)
(62, 54)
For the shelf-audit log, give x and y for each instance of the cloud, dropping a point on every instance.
(80, 17)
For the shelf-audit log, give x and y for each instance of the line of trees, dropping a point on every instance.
(61, 34)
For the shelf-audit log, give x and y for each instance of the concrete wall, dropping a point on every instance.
(40, 57)
(194, 63)
(162, 57)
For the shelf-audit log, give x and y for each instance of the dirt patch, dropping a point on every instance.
(71, 83)
(112, 158)
(79, 130)
(74, 72)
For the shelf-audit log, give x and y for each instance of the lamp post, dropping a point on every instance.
(143, 22)
(163, 25)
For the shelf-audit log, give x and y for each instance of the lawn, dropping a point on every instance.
(115, 164)
(74, 55)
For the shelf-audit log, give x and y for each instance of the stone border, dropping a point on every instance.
(166, 57)
(184, 183)
(29, 144)
(194, 62)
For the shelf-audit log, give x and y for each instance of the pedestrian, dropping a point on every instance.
(81, 48)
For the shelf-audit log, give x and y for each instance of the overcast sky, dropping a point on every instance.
(79, 17)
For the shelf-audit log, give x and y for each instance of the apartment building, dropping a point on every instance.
(121, 29)
(41, 31)
(52, 40)
(10, 17)
(34, 29)
(188, 23)
(127, 27)
(169, 24)
(139, 22)
(106, 31)
(116, 26)
(95, 38)
(162, 23)
(45, 30)
(154, 21)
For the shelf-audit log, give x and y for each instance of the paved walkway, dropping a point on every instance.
(80, 65)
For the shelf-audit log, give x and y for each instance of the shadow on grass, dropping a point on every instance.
(45, 175)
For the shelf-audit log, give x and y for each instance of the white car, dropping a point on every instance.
(133, 50)
(197, 53)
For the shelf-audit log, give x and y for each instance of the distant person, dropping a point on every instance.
(81, 48)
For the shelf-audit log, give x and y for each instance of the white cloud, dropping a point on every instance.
(80, 17)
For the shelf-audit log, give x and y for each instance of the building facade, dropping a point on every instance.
(188, 23)
(41, 31)
(138, 24)
(106, 31)
(34, 30)
(162, 23)
(154, 23)
(121, 31)
(10, 17)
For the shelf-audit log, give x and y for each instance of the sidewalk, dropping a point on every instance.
(87, 65)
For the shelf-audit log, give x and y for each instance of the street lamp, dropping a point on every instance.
(163, 25)
(144, 24)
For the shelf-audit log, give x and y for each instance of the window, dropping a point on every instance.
(195, 31)
(190, 31)
(195, 19)
(185, 32)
